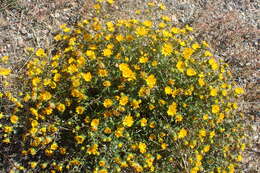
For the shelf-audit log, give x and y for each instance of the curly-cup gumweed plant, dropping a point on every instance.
(123, 96)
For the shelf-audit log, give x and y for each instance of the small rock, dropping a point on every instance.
(254, 127)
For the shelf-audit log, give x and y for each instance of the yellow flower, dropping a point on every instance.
(107, 103)
(166, 18)
(48, 110)
(135, 103)
(151, 106)
(178, 118)
(102, 72)
(207, 53)
(143, 122)
(119, 37)
(61, 107)
(75, 81)
(206, 148)
(14, 119)
(79, 139)
(180, 66)
(107, 52)
(107, 130)
(235, 105)
(45, 96)
(164, 146)
(167, 49)
(195, 46)
(127, 72)
(143, 60)
(32, 151)
(162, 102)
(192, 144)
(54, 146)
(213, 63)
(46, 82)
(4, 71)
(162, 6)
(128, 121)
(34, 123)
(40, 52)
(148, 23)
(33, 164)
(215, 109)
(91, 54)
(243, 146)
(36, 81)
(58, 37)
(239, 158)
(119, 132)
(123, 100)
(141, 31)
(77, 93)
(8, 129)
(154, 63)
(111, 28)
(166, 33)
(66, 29)
(72, 41)
(172, 109)
(87, 76)
(205, 117)
(151, 81)
(239, 91)
(81, 61)
(142, 147)
(102, 163)
(201, 82)
(110, 1)
(194, 170)
(74, 162)
(34, 112)
(104, 170)
(106, 83)
(212, 134)
(202, 133)
(168, 90)
(191, 72)
(93, 150)
(214, 66)
(80, 109)
(187, 27)
(182, 43)
(182, 133)
(94, 124)
(4, 59)
(187, 52)
(72, 68)
(214, 92)
(57, 77)
(175, 30)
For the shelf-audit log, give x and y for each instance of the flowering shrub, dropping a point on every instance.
(126, 95)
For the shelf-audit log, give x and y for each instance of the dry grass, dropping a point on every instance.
(230, 27)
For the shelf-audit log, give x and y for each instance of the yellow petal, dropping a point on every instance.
(4, 71)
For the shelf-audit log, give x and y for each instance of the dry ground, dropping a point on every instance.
(230, 26)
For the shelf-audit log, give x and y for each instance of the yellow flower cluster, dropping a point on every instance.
(124, 95)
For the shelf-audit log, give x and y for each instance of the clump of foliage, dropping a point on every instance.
(126, 95)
